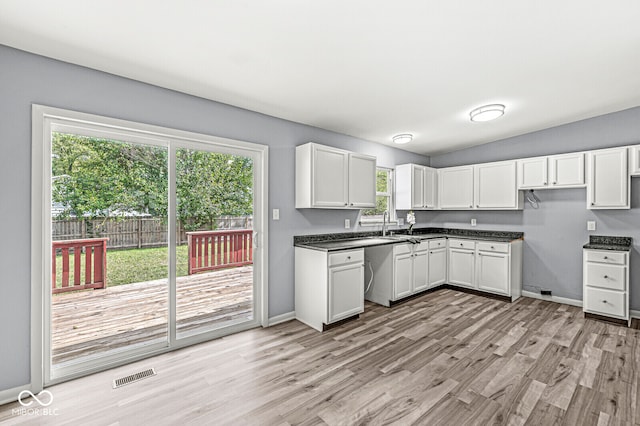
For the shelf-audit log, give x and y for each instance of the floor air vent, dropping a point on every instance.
(117, 383)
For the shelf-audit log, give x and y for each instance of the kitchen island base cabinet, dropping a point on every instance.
(329, 286)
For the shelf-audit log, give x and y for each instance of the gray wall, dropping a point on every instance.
(555, 233)
(27, 79)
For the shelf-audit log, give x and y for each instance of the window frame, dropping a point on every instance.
(374, 220)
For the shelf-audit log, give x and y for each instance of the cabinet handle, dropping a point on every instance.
(606, 277)
(554, 183)
(604, 301)
(471, 206)
(351, 204)
(605, 258)
(348, 257)
(461, 244)
(477, 206)
(492, 247)
(346, 204)
(545, 183)
(593, 204)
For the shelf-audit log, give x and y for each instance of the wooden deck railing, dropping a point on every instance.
(95, 264)
(211, 250)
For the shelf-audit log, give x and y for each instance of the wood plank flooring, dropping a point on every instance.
(445, 358)
(89, 322)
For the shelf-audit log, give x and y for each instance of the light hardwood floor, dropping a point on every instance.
(446, 357)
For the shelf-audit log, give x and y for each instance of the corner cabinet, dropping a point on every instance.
(415, 187)
(608, 184)
(329, 287)
(333, 178)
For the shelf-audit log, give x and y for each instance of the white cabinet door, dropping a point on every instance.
(532, 173)
(461, 267)
(430, 188)
(362, 181)
(608, 185)
(495, 185)
(566, 170)
(455, 188)
(346, 291)
(493, 272)
(420, 270)
(329, 177)
(437, 267)
(402, 279)
(634, 152)
(417, 187)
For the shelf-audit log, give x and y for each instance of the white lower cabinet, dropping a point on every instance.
(606, 283)
(437, 268)
(494, 267)
(329, 286)
(399, 270)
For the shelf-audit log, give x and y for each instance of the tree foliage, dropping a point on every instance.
(99, 177)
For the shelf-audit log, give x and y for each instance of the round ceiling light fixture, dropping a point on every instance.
(403, 138)
(487, 112)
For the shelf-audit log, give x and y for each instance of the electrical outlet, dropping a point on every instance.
(276, 214)
(473, 222)
(591, 225)
(347, 224)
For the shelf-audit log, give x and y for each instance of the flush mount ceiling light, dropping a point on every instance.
(403, 138)
(487, 112)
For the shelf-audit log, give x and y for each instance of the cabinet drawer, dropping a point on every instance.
(614, 257)
(605, 302)
(439, 243)
(613, 277)
(423, 246)
(402, 248)
(465, 244)
(493, 247)
(345, 257)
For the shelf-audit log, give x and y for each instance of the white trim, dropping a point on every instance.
(43, 120)
(279, 319)
(634, 313)
(557, 299)
(11, 395)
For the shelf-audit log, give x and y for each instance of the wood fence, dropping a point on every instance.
(94, 264)
(136, 232)
(211, 250)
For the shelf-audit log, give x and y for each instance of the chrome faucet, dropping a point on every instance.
(385, 218)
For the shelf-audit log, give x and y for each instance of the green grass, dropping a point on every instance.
(132, 265)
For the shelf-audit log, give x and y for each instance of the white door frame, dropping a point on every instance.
(44, 120)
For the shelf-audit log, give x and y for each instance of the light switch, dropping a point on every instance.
(591, 225)
(276, 214)
(347, 224)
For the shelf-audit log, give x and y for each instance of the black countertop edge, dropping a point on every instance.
(607, 242)
(504, 236)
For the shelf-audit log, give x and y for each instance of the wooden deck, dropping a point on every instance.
(89, 322)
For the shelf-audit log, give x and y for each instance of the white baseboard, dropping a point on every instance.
(564, 300)
(11, 395)
(278, 319)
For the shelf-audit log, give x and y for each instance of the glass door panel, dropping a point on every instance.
(109, 251)
(214, 253)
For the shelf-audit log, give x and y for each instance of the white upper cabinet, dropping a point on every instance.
(532, 173)
(566, 170)
(634, 160)
(555, 171)
(495, 186)
(362, 181)
(490, 186)
(608, 183)
(329, 177)
(455, 188)
(415, 187)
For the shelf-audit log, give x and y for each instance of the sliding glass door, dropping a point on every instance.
(150, 242)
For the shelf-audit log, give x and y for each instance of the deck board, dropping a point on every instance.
(93, 321)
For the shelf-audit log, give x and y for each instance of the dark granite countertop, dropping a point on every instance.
(352, 240)
(604, 242)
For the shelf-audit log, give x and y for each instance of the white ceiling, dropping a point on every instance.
(367, 68)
